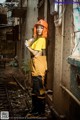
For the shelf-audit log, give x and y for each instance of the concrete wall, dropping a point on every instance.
(61, 67)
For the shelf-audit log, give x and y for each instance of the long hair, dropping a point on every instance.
(45, 29)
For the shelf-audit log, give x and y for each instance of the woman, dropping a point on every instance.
(37, 47)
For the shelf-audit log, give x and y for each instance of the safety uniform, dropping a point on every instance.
(39, 67)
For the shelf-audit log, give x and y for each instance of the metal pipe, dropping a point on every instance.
(70, 94)
(53, 110)
(57, 114)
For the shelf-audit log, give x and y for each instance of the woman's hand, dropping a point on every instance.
(29, 42)
(34, 52)
(26, 43)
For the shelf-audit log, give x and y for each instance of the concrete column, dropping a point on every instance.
(31, 19)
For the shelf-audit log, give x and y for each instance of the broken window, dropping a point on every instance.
(76, 31)
(56, 10)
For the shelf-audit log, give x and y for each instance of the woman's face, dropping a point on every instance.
(39, 30)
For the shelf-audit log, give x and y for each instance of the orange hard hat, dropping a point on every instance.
(45, 29)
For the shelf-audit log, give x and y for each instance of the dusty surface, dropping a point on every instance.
(18, 98)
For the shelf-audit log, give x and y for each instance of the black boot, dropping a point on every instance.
(34, 110)
(41, 106)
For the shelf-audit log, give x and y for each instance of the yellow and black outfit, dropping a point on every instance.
(39, 67)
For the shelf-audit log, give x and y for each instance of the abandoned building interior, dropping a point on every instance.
(62, 81)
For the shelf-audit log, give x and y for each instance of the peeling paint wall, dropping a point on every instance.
(76, 24)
